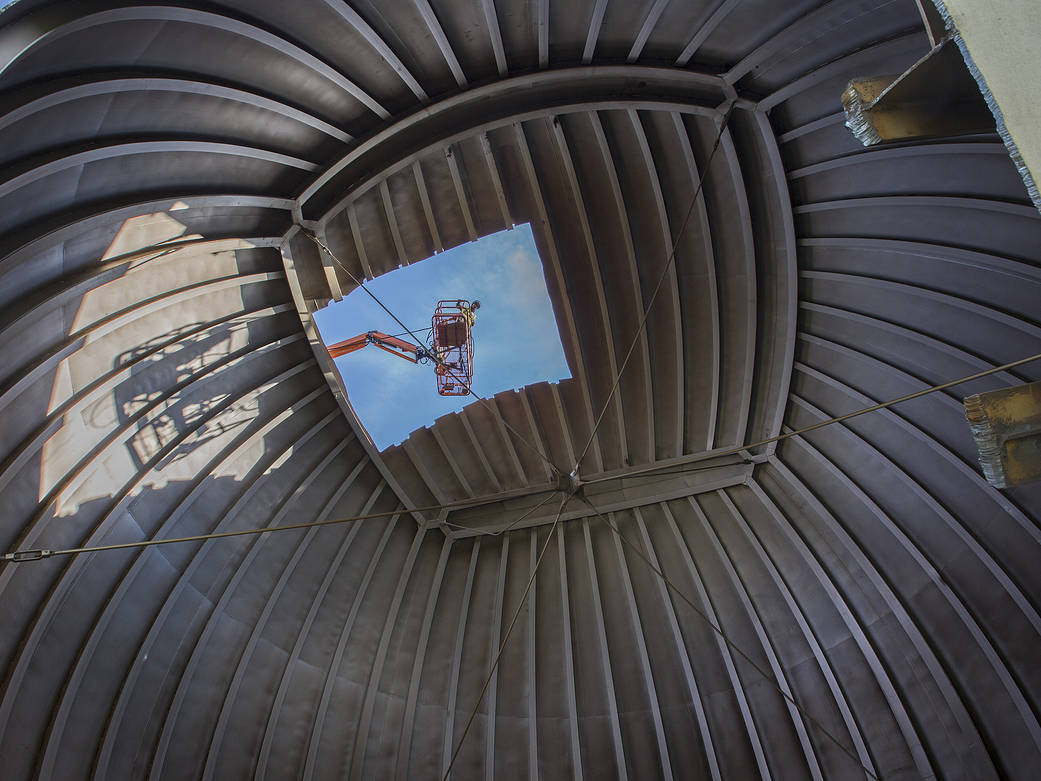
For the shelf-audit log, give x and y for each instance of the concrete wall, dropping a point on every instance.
(999, 41)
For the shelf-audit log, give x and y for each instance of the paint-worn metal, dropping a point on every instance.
(935, 98)
(162, 377)
(1006, 425)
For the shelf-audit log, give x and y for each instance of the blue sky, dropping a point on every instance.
(515, 338)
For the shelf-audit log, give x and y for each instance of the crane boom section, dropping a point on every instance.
(391, 344)
(451, 348)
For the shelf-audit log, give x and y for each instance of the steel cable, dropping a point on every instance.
(439, 361)
(723, 635)
(669, 262)
(738, 449)
(509, 629)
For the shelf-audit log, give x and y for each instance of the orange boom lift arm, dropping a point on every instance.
(391, 344)
(451, 349)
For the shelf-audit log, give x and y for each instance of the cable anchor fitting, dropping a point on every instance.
(27, 555)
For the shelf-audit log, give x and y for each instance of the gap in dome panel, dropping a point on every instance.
(513, 335)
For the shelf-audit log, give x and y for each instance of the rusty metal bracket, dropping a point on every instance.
(1006, 425)
(936, 97)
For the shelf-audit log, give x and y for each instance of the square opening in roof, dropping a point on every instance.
(516, 342)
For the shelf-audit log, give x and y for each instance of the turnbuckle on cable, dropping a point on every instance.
(27, 555)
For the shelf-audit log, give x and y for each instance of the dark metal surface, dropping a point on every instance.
(162, 377)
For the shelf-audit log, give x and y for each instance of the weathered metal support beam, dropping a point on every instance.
(937, 97)
(1006, 425)
(607, 496)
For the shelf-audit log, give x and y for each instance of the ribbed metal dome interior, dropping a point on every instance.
(161, 377)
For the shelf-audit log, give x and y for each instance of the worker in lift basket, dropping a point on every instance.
(470, 312)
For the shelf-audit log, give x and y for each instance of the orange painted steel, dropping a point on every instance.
(391, 344)
(452, 351)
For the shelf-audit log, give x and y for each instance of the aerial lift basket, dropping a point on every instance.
(453, 346)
